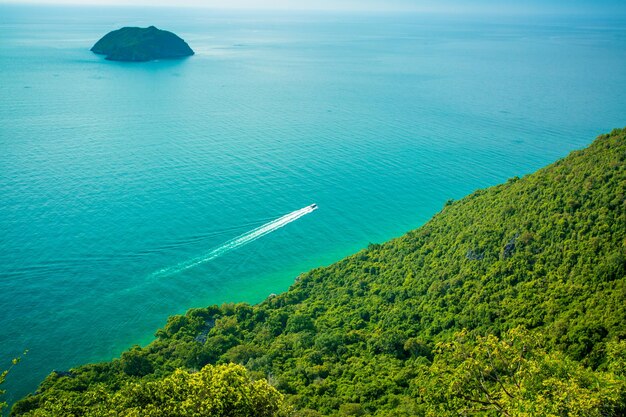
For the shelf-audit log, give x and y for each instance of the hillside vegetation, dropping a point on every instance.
(141, 44)
(510, 301)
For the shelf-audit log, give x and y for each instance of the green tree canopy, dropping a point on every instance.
(515, 376)
(215, 391)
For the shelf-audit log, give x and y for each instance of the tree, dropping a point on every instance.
(134, 362)
(3, 376)
(215, 391)
(515, 376)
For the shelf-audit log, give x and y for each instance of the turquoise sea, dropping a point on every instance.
(111, 172)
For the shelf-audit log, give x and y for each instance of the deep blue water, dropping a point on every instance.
(112, 171)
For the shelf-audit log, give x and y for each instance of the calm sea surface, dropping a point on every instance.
(110, 171)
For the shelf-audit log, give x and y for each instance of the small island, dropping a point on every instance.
(135, 44)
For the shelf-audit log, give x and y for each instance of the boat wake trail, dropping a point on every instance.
(237, 242)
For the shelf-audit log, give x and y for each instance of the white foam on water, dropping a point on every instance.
(237, 242)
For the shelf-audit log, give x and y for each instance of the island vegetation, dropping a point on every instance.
(509, 302)
(141, 44)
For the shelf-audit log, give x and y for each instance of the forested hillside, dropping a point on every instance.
(510, 301)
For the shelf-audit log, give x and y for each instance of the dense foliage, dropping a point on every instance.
(378, 333)
(515, 376)
(141, 44)
(217, 391)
